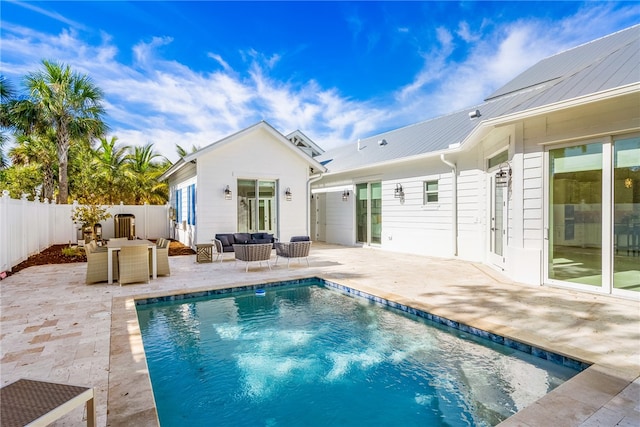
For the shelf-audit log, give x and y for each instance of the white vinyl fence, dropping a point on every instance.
(28, 227)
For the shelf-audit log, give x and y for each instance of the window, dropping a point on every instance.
(430, 192)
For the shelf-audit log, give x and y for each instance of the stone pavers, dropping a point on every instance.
(55, 328)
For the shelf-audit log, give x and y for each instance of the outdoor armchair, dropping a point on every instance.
(162, 258)
(133, 264)
(97, 263)
(253, 252)
(294, 249)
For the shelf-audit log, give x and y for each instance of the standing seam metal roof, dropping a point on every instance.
(606, 63)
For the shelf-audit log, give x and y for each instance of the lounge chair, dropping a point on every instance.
(97, 263)
(298, 247)
(134, 264)
(253, 252)
(39, 403)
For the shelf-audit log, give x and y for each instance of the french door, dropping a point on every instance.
(256, 206)
(369, 213)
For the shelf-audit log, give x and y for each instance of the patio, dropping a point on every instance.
(56, 328)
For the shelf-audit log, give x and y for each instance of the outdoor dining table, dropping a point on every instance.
(117, 245)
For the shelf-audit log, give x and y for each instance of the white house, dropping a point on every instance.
(255, 180)
(542, 180)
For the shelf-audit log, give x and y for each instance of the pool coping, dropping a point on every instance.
(130, 396)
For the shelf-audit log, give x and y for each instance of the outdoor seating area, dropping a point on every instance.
(108, 355)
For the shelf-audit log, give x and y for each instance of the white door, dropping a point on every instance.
(498, 223)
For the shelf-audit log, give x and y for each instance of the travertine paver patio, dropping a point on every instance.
(55, 328)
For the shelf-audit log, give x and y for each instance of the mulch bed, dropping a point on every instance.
(53, 255)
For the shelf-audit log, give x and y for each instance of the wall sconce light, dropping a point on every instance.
(628, 183)
(345, 195)
(503, 176)
(398, 193)
(287, 194)
(227, 193)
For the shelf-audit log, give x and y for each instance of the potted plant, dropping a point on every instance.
(88, 215)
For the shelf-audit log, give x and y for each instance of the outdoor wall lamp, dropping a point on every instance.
(503, 175)
(287, 194)
(345, 195)
(227, 193)
(398, 193)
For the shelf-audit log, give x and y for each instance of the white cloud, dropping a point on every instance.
(164, 102)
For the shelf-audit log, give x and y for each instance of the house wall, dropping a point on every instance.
(529, 138)
(183, 178)
(410, 225)
(255, 155)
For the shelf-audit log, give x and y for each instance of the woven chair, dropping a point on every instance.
(291, 250)
(253, 252)
(217, 244)
(97, 263)
(162, 258)
(134, 264)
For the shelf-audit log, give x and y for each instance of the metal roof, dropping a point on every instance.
(606, 63)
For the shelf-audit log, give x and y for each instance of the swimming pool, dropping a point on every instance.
(311, 355)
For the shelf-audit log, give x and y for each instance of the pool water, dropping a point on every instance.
(313, 356)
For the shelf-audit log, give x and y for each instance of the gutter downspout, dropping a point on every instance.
(454, 204)
(310, 181)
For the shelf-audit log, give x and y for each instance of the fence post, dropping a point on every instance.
(5, 241)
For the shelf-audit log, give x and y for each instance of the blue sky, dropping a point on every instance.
(190, 73)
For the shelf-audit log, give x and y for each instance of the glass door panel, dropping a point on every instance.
(626, 214)
(362, 213)
(246, 208)
(575, 217)
(266, 206)
(376, 212)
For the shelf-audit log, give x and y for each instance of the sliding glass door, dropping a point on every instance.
(594, 215)
(626, 214)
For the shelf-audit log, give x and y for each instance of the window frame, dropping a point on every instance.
(426, 192)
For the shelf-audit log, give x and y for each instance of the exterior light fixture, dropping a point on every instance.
(345, 195)
(503, 176)
(399, 192)
(287, 194)
(227, 193)
(628, 183)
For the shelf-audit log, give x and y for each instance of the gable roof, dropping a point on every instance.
(597, 67)
(193, 157)
(305, 143)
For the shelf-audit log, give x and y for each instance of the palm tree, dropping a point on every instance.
(40, 151)
(182, 152)
(112, 168)
(6, 95)
(145, 172)
(71, 105)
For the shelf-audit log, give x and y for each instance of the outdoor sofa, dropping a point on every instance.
(230, 239)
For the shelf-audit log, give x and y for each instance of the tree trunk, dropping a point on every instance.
(47, 184)
(63, 157)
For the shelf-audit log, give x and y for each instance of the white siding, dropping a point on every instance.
(256, 155)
